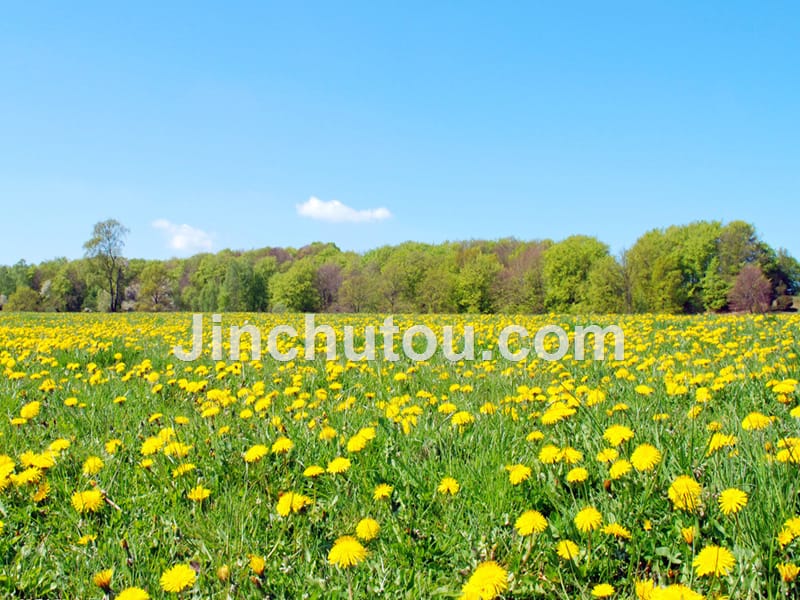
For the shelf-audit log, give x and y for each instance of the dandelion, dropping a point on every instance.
(382, 491)
(347, 551)
(92, 465)
(732, 501)
(617, 434)
(688, 533)
(676, 591)
(788, 571)
(549, 454)
(102, 579)
(448, 485)
(198, 493)
(719, 441)
(756, 421)
(487, 581)
(684, 493)
(644, 589)
(518, 473)
(178, 578)
(588, 519)
(256, 453)
(529, 522)
(183, 469)
(282, 445)
(607, 455)
(257, 563)
(645, 457)
(313, 471)
(367, 529)
(618, 531)
(567, 550)
(338, 465)
(290, 502)
(30, 410)
(42, 492)
(619, 469)
(132, 593)
(88, 501)
(577, 475)
(714, 561)
(602, 590)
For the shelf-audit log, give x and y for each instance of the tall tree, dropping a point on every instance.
(105, 249)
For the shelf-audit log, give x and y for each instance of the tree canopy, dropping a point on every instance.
(702, 266)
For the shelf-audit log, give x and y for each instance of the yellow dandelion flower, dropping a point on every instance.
(257, 563)
(448, 485)
(577, 475)
(676, 591)
(256, 453)
(567, 550)
(688, 534)
(549, 454)
(714, 561)
(607, 455)
(88, 501)
(685, 493)
(618, 531)
(198, 493)
(367, 529)
(338, 465)
(617, 434)
(518, 473)
(588, 519)
(102, 579)
(382, 491)
(92, 465)
(756, 421)
(529, 522)
(788, 571)
(30, 410)
(346, 551)
(282, 445)
(132, 593)
(487, 582)
(732, 501)
(178, 578)
(645, 457)
(291, 502)
(603, 590)
(313, 471)
(619, 469)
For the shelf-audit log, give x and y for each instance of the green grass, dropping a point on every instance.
(428, 543)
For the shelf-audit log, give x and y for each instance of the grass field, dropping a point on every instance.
(671, 474)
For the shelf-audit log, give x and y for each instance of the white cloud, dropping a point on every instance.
(336, 212)
(184, 238)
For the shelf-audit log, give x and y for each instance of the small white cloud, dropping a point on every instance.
(336, 212)
(184, 238)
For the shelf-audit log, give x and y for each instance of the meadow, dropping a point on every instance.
(125, 473)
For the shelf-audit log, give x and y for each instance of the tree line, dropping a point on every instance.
(699, 267)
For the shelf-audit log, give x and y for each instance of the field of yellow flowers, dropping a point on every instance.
(128, 474)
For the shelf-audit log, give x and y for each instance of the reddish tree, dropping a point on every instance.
(751, 292)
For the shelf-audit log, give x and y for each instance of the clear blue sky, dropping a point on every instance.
(206, 126)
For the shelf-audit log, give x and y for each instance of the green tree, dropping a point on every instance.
(156, 288)
(105, 248)
(24, 299)
(475, 282)
(295, 289)
(607, 288)
(567, 265)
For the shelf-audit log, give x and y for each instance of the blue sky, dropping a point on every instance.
(206, 126)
